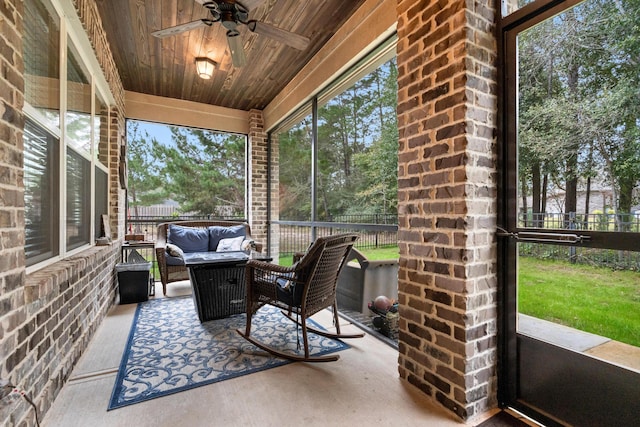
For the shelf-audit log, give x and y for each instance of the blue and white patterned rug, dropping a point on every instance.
(169, 350)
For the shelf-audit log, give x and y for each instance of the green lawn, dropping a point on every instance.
(592, 299)
(390, 252)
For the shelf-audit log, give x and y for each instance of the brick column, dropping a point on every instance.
(257, 177)
(274, 229)
(447, 107)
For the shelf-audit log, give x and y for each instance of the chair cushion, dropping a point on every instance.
(189, 239)
(217, 233)
(288, 292)
(230, 244)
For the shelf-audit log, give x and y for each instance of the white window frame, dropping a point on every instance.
(72, 31)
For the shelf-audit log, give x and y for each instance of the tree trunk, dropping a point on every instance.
(545, 185)
(523, 184)
(586, 204)
(535, 204)
(571, 200)
(625, 202)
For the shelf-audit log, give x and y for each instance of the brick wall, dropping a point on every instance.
(11, 189)
(47, 317)
(257, 178)
(14, 346)
(259, 182)
(446, 200)
(274, 171)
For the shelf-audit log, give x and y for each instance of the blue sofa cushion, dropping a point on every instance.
(189, 239)
(217, 233)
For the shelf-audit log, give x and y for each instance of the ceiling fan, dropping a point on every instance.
(231, 14)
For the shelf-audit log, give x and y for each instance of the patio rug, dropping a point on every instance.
(169, 350)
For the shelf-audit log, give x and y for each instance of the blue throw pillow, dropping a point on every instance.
(189, 239)
(217, 233)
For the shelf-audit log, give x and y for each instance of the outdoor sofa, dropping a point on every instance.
(176, 238)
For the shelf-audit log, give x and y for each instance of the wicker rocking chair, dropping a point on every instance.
(302, 290)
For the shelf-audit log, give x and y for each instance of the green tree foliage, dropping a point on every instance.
(357, 153)
(378, 192)
(295, 172)
(144, 185)
(356, 128)
(204, 171)
(579, 87)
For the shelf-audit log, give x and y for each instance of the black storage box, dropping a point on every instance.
(133, 282)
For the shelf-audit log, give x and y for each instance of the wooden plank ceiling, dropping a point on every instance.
(165, 67)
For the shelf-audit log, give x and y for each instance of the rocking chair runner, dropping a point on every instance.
(303, 289)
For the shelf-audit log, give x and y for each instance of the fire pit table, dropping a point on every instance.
(217, 283)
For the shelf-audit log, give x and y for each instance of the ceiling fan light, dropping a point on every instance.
(205, 67)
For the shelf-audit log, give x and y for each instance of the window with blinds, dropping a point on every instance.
(65, 158)
(41, 44)
(41, 181)
(101, 200)
(78, 200)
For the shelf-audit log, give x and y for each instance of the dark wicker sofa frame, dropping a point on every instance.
(175, 273)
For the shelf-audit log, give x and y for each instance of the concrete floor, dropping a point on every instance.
(621, 354)
(361, 389)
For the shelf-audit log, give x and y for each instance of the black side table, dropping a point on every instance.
(145, 247)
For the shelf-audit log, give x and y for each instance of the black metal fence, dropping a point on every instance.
(388, 219)
(296, 236)
(626, 222)
(379, 231)
(147, 225)
(615, 259)
(609, 258)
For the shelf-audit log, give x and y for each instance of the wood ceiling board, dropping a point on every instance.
(122, 46)
(251, 4)
(165, 67)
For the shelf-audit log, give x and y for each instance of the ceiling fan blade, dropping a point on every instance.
(172, 31)
(237, 50)
(250, 4)
(287, 37)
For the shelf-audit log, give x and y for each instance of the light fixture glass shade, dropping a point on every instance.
(205, 67)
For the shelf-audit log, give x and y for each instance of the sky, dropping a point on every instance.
(158, 131)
